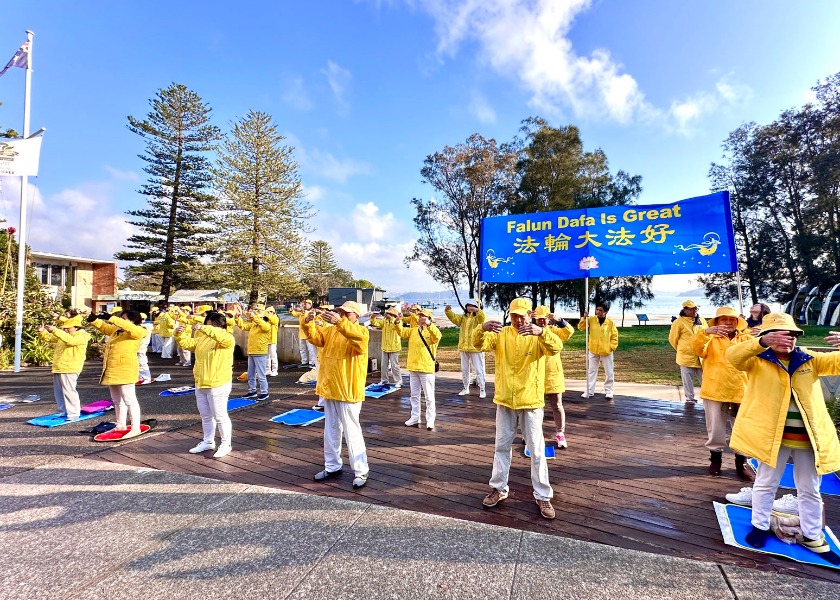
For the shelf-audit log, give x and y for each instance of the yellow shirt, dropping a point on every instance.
(391, 340)
(69, 349)
(212, 349)
(419, 359)
(342, 358)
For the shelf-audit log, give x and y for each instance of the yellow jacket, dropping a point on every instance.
(156, 324)
(259, 334)
(167, 324)
(212, 355)
(467, 322)
(120, 365)
(722, 382)
(555, 379)
(342, 358)
(69, 349)
(680, 336)
(301, 315)
(419, 359)
(603, 339)
(391, 340)
(520, 364)
(770, 388)
(274, 321)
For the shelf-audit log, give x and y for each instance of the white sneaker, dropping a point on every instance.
(202, 446)
(223, 450)
(788, 504)
(742, 498)
(584, 395)
(482, 394)
(412, 422)
(464, 392)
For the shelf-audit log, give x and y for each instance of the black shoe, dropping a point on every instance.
(715, 460)
(262, 396)
(250, 394)
(324, 475)
(757, 538)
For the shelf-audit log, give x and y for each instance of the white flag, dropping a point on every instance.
(19, 157)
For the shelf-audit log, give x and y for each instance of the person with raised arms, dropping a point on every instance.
(69, 342)
(422, 349)
(471, 358)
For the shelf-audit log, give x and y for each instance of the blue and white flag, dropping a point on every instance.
(20, 59)
(683, 237)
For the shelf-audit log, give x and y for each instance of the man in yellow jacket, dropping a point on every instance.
(603, 340)
(391, 346)
(471, 358)
(723, 385)
(308, 354)
(69, 343)
(272, 364)
(422, 349)
(257, 325)
(167, 325)
(682, 332)
(212, 349)
(520, 350)
(341, 384)
(784, 416)
(555, 379)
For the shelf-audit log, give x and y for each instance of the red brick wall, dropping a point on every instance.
(104, 279)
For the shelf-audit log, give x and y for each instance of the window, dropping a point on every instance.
(55, 275)
(42, 272)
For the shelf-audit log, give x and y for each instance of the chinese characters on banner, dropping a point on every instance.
(687, 236)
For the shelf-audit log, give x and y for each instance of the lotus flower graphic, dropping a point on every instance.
(588, 262)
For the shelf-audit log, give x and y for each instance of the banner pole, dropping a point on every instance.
(586, 337)
(24, 184)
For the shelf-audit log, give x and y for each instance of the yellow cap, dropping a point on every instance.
(203, 308)
(689, 304)
(520, 306)
(778, 322)
(350, 306)
(72, 322)
(541, 312)
(727, 311)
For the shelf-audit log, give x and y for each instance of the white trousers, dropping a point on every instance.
(592, 373)
(155, 343)
(184, 356)
(125, 402)
(390, 368)
(212, 406)
(689, 374)
(272, 365)
(807, 490)
(256, 373)
(166, 344)
(342, 418)
(531, 422)
(422, 382)
(476, 361)
(308, 353)
(145, 373)
(66, 396)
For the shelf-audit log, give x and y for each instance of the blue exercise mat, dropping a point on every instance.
(306, 382)
(299, 416)
(735, 524)
(830, 483)
(377, 390)
(5, 406)
(56, 419)
(234, 403)
(179, 391)
(300, 366)
(549, 451)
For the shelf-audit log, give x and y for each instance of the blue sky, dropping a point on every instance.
(365, 90)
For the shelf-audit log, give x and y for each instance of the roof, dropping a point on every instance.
(204, 296)
(36, 255)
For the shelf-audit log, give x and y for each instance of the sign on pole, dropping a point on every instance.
(20, 158)
(683, 237)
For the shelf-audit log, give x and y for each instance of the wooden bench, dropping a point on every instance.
(642, 318)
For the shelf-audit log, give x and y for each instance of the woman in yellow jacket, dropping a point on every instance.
(391, 346)
(272, 365)
(69, 343)
(603, 340)
(259, 334)
(308, 354)
(723, 385)
(471, 358)
(783, 416)
(422, 349)
(212, 348)
(682, 332)
(120, 367)
(555, 379)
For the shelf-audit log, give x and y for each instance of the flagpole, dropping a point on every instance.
(586, 336)
(24, 184)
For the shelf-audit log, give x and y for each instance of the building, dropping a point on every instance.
(369, 298)
(83, 279)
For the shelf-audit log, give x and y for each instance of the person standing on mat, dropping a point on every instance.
(784, 416)
(272, 365)
(145, 375)
(422, 349)
(341, 385)
(682, 332)
(120, 367)
(520, 350)
(259, 333)
(212, 348)
(391, 328)
(603, 340)
(723, 385)
(167, 329)
(307, 350)
(69, 343)
(471, 359)
(555, 380)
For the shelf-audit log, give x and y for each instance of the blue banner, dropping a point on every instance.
(688, 236)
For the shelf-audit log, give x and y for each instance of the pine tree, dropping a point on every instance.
(174, 228)
(262, 211)
(322, 271)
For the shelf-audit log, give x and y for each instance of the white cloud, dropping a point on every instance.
(370, 224)
(76, 221)
(313, 193)
(684, 115)
(481, 109)
(296, 95)
(339, 80)
(122, 175)
(325, 165)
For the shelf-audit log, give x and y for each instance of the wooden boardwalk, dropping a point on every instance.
(634, 475)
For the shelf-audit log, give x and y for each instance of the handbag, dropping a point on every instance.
(422, 339)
